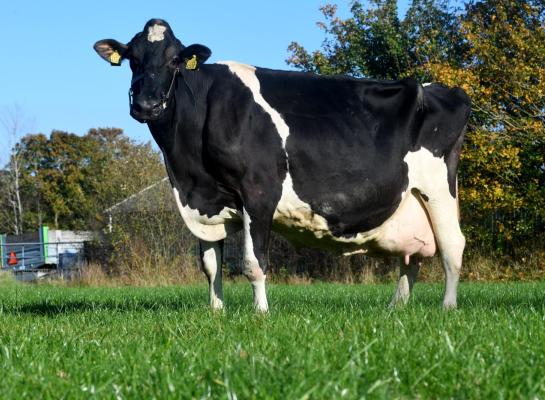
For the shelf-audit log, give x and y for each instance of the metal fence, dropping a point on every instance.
(33, 260)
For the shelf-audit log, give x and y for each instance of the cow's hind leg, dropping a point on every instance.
(443, 210)
(430, 176)
(408, 271)
(211, 258)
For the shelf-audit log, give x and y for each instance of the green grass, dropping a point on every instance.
(319, 341)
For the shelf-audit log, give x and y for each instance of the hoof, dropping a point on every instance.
(262, 308)
(449, 305)
(399, 301)
(216, 305)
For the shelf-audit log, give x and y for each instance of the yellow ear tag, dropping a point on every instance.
(191, 63)
(115, 58)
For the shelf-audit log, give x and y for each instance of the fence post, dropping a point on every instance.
(23, 256)
(44, 239)
(2, 241)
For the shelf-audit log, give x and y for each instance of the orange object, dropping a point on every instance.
(12, 259)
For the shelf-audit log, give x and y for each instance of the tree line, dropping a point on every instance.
(66, 180)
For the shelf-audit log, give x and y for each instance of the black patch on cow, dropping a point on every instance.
(221, 148)
(346, 146)
(424, 197)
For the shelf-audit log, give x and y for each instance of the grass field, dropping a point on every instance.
(319, 341)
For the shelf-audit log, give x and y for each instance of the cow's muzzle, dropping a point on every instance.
(144, 110)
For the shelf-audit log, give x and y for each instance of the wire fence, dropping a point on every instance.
(41, 255)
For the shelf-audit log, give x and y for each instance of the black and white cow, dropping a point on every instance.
(352, 165)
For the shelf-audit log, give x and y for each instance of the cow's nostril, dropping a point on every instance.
(146, 106)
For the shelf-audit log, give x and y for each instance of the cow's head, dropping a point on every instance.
(156, 58)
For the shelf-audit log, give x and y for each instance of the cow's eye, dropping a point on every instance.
(174, 62)
(134, 63)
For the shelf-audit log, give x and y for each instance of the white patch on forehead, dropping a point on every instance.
(156, 33)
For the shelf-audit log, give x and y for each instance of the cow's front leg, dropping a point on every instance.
(211, 257)
(256, 242)
(408, 271)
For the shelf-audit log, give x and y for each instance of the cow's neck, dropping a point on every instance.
(180, 126)
(179, 131)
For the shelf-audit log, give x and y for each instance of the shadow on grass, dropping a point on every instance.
(60, 307)
(293, 300)
(71, 307)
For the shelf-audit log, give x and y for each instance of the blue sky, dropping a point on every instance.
(51, 72)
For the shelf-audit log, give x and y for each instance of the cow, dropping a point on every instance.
(333, 162)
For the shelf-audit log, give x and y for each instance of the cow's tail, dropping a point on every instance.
(420, 98)
(458, 201)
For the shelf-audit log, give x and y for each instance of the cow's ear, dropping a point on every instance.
(193, 56)
(111, 50)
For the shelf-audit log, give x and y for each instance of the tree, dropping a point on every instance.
(503, 173)
(128, 166)
(375, 43)
(12, 207)
(68, 180)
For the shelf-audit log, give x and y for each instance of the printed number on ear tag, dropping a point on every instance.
(191, 63)
(115, 58)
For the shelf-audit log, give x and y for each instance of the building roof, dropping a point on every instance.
(157, 196)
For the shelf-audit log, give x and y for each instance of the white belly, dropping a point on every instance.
(207, 228)
(408, 231)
